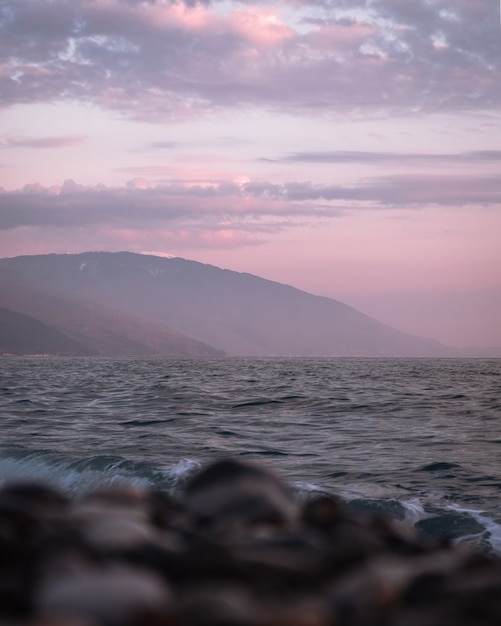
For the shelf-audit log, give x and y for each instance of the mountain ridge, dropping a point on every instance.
(236, 313)
(22, 334)
(97, 330)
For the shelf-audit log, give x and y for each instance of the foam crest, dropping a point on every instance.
(414, 511)
(306, 490)
(80, 475)
(179, 473)
(492, 533)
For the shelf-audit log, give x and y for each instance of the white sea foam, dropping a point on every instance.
(492, 532)
(181, 471)
(414, 511)
(77, 476)
(306, 490)
(370, 491)
(62, 475)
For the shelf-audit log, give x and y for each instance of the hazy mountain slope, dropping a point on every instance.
(23, 334)
(94, 329)
(481, 352)
(239, 313)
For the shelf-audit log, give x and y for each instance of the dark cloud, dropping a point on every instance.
(251, 206)
(346, 156)
(154, 60)
(401, 191)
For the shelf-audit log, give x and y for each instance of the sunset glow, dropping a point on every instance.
(350, 149)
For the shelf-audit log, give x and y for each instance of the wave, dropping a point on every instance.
(75, 476)
(454, 522)
(491, 529)
(18, 464)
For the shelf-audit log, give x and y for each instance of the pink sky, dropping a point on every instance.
(349, 148)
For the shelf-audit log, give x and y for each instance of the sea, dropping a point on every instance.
(415, 439)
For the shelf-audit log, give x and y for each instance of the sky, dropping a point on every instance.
(351, 148)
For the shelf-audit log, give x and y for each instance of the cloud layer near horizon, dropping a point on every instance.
(251, 207)
(161, 59)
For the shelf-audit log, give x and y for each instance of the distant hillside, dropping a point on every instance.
(481, 352)
(88, 328)
(240, 314)
(22, 334)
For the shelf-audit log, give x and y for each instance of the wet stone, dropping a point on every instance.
(211, 605)
(235, 548)
(323, 513)
(228, 496)
(111, 596)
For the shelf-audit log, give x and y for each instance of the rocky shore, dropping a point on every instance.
(235, 549)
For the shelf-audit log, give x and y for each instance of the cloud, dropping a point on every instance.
(138, 206)
(398, 158)
(223, 209)
(154, 60)
(67, 141)
(164, 145)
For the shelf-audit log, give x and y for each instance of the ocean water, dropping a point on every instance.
(416, 439)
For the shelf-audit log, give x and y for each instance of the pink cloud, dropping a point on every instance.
(261, 28)
(190, 18)
(188, 238)
(138, 183)
(225, 238)
(179, 60)
(224, 208)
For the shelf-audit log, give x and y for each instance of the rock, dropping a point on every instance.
(236, 549)
(30, 513)
(113, 519)
(111, 596)
(229, 496)
(215, 606)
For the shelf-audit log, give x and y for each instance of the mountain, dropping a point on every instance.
(238, 313)
(87, 327)
(483, 352)
(23, 334)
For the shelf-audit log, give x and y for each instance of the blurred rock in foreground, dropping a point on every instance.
(236, 549)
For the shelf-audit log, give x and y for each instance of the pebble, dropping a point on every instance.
(235, 549)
